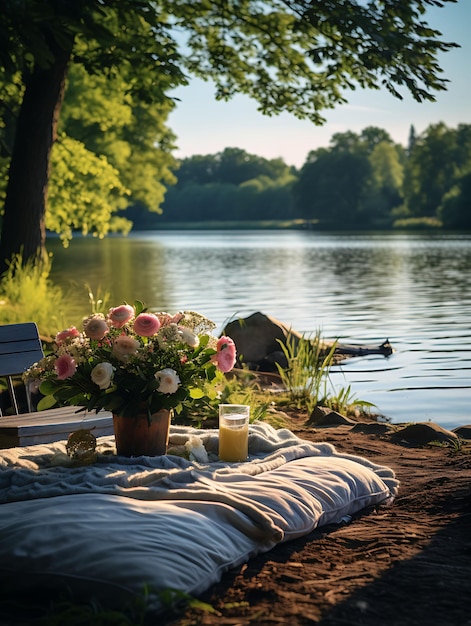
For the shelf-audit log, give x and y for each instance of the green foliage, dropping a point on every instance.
(99, 302)
(438, 160)
(295, 59)
(129, 47)
(455, 446)
(241, 387)
(455, 210)
(229, 185)
(85, 190)
(331, 184)
(361, 180)
(382, 193)
(307, 372)
(345, 402)
(130, 132)
(300, 59)
(28, 295)
(357, 181)
(430, 170)
(232, 166)
(65, 609)
(252, 200)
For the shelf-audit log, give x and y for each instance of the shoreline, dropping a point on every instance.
(407, 563)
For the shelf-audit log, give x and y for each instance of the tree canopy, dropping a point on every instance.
(298, 56)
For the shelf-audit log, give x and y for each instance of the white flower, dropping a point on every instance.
(196, 450)
(169, 380)
(189, 337)
(102, 374)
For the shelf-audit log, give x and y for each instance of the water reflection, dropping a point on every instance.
(362, 288)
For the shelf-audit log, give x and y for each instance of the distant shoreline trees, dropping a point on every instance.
(360, 181)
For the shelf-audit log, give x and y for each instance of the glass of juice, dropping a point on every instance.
(234, 432)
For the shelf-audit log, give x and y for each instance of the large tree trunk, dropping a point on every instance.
(23, 228)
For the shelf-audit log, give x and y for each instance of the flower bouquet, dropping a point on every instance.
(131, 357)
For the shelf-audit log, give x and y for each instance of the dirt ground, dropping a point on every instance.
(408, 564)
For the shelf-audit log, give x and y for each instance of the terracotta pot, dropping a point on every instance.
(135, 436)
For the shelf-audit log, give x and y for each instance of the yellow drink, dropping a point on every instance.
(233, 440)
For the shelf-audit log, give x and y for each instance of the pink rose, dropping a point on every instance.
(69, 333)
(95, 327)
(124, 347)
(146, 324)
(225, 357)
(65, 367)
(120, 315)
(166, 319)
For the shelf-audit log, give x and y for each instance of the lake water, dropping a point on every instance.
(413, 289)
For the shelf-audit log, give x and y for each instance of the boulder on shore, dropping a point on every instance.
(422, 433)
(258, 338)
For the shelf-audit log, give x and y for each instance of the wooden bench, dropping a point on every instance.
(20, 347)
(52, 425)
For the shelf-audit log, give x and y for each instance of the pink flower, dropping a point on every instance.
(120, 315)
(146, 324)
(225, 357)
(166, 319)
(65, 367)
(69, 333)
(124, 347)
(95, 327)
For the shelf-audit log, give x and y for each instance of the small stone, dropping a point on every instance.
(422, 433)
(372, 428)
(322, 416)
(463, 431)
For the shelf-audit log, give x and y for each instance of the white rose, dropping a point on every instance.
(169, 380)
(102, 374)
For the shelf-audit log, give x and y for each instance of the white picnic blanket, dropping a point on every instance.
(170, 522)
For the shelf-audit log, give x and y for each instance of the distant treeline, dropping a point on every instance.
(360, 181)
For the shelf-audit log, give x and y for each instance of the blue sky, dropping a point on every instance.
(205, 126)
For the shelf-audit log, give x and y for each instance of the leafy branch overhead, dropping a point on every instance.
(296, 56)
(302, 56)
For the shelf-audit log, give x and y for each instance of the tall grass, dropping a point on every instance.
(28, 295)
(306, 375)
(347, 403)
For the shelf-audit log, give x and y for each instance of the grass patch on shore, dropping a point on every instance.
(27, 294)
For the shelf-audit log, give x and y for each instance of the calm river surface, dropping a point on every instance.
(413, 289)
